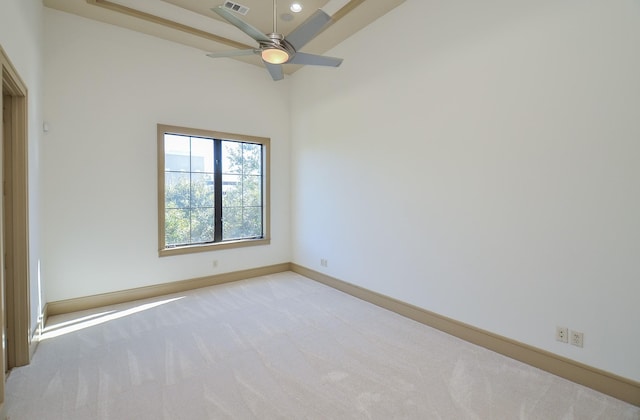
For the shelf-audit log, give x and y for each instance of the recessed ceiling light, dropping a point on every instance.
(296, 7)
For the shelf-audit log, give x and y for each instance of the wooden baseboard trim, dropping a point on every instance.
(616, 386)
(122, 296)
(34, 339)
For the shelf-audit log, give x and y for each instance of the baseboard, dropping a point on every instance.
(616, 386)
(122, 296)
(34, 339)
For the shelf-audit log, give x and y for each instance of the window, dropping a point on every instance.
(212, 190)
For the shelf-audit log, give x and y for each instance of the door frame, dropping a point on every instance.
(15, 239)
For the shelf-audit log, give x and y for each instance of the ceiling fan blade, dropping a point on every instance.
(232, 53)
(275, 70)
(308, 29)
(315, 60)
(240, 24)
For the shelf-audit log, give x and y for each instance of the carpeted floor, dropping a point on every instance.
(279, 347)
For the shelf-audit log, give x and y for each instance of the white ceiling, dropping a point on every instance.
(192, 23)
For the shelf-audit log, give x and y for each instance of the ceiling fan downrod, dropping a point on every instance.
(275, 18)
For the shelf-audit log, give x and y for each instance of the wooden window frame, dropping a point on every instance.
(163, 250)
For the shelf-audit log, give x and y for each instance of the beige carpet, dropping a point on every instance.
(279, 347)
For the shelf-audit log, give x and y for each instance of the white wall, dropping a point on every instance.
(482, 160)
(106, 88)
(21, 38)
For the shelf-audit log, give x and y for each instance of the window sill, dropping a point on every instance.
(190, 249)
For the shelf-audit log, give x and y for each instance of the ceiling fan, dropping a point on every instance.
(276, 49)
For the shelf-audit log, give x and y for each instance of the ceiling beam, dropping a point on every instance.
(168, 23)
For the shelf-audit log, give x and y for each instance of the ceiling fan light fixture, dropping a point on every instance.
(275, 56)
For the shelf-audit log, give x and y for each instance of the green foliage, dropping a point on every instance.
(188, 208)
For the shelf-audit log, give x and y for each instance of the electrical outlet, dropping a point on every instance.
(215, 263)
(577, 338)
(562, 334)
(324, 262)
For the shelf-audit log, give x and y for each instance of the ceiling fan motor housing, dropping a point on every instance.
(278, 41)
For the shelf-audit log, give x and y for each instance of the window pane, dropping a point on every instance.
(176, 153)
(177, 190)
(202, 225)
(201, 155)
(251, 190)
(252, 159)
(232, 223)
(231, 191)
(202, 190)
(177, 227)
(242, 199)
(231, 157)
(252, 222)
(242, 222)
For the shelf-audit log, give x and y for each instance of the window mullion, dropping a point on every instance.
(217, 185)
(191, 204)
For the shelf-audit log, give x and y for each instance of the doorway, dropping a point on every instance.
(14, 232)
